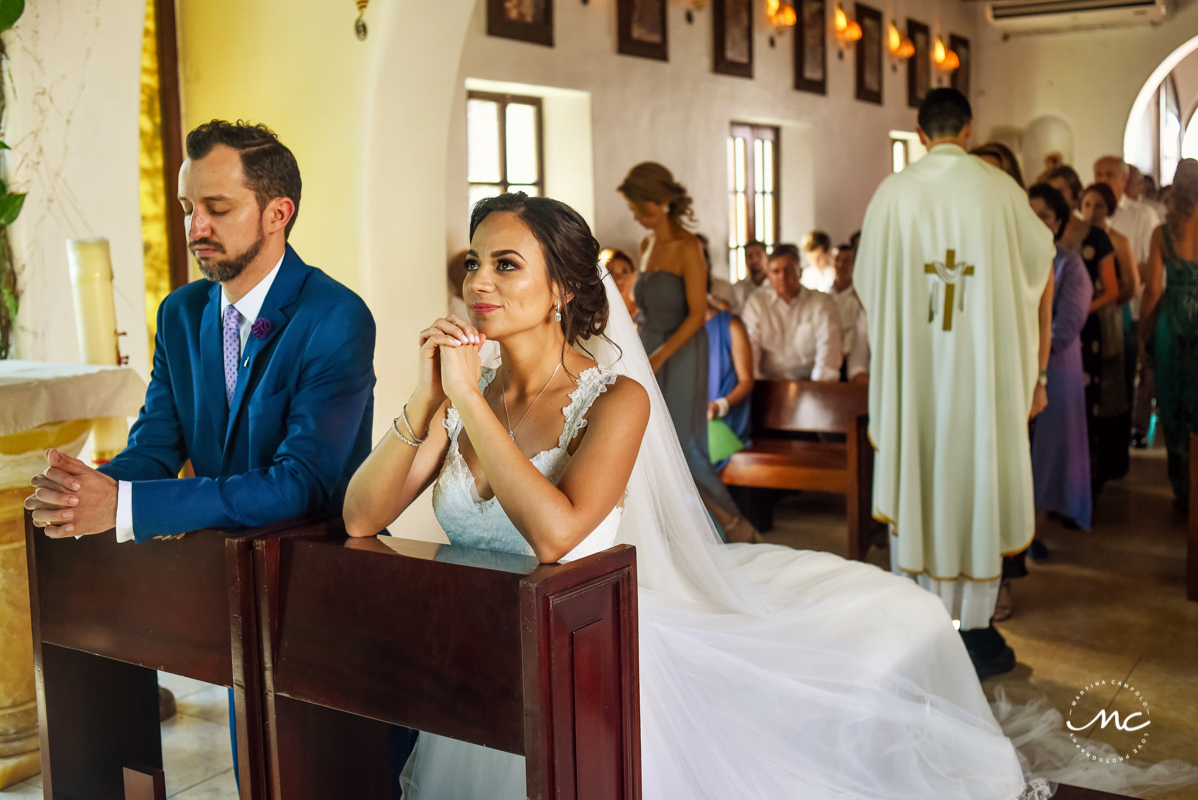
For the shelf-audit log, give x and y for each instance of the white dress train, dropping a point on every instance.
(852, 684)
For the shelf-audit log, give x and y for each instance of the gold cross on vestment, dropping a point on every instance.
(950, 272)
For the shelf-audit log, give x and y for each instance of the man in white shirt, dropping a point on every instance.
(794, 331)
(1135, 220)
(756, 260)
(819, 274)
(854, 328)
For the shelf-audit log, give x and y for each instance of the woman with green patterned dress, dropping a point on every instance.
(1169, 320)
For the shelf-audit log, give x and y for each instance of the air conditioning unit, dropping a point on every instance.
(1064, 15)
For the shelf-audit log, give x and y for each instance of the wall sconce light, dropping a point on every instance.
(901, 47)
(780, 15)
(944, 59)
(695, 5)
(360, 22)
(847, 30)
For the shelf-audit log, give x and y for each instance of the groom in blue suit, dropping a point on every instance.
(263, 375)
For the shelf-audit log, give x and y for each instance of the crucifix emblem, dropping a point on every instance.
(950, 273)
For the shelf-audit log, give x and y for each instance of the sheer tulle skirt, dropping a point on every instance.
(859, 687)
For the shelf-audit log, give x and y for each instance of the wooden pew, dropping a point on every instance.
(486, 647)
(1192, 533)
(106, 616)
(776, 460)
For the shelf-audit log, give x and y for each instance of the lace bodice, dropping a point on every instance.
(470, 521)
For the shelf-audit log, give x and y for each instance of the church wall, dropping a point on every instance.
(835, 149)
(1088, 78)
(296, 66)
(73, 126)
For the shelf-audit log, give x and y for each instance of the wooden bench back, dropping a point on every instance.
(808, 406)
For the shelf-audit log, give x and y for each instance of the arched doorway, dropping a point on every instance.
(1154, 138)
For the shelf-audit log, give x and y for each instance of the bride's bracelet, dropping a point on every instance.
(402, 438)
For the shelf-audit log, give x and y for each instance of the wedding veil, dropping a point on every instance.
(679, 551)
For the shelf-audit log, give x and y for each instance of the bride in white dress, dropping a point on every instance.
(765, 672)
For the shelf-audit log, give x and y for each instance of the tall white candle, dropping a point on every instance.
(90, 263)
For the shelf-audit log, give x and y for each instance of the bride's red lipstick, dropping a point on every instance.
(483, 308)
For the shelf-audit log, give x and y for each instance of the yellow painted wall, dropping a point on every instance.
(297, 66)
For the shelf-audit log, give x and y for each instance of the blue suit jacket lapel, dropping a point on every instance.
(277, 307)
(212, 360)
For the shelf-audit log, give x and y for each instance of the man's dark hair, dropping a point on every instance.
(270, 168)
(786, 251)
(854, 240)
(944, 112)
(755, 243)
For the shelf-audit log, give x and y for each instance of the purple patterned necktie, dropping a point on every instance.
(232, 338)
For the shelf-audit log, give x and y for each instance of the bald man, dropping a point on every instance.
(1136, 221)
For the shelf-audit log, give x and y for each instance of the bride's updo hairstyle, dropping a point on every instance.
(650, 182)
(571, 256)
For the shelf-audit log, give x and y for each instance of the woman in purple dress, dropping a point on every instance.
(1061, 445)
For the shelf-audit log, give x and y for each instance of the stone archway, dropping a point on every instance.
(1133, 145)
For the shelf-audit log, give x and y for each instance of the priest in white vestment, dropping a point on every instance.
(954, 271)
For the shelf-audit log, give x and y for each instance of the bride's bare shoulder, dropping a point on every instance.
(625, 401)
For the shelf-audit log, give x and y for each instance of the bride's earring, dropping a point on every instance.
(557, 314)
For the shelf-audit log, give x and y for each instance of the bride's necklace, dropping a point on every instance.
(511, 432)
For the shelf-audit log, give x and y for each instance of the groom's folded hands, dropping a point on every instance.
(71, 498)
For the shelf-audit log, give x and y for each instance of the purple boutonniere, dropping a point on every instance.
(260, 328)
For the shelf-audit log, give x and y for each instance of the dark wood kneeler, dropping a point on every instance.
(486, 647)
(777, 460)
(106, 616)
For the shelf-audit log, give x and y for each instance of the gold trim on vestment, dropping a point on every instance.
(894, 533)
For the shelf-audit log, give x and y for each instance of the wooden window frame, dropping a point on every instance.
(752, 133)
(504, 100)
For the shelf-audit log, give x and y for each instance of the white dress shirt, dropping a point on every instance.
(1136, 221)
(799, 340)
(816, 279)
(743, 290)
(854, 331)
(248, 306)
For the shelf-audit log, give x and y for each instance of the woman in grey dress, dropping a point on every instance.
(672, 295)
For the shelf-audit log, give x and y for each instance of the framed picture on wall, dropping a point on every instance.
(641, 29)
(524, 20)
(811, 46)
(732, 24)
(962, 75)
(919, 65)
(869, 55)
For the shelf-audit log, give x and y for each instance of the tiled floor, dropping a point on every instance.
(196, 755)
(1108, 604)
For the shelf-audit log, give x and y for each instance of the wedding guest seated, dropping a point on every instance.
(730, 372)
(818, 274)
(756, 260)
(854, 328)
(720, 293)
(623, 272)
(794, 331)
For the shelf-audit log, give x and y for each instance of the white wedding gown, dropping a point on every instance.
(855, 686)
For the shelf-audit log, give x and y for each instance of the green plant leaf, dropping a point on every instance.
(10, 12)
(3, 146)
(10, 206)
(3, 188)
(10, 300)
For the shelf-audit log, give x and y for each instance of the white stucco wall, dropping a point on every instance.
(835, 149)
(73, 125)
(1089, 79)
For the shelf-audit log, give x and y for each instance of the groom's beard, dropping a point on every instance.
(226, 269)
